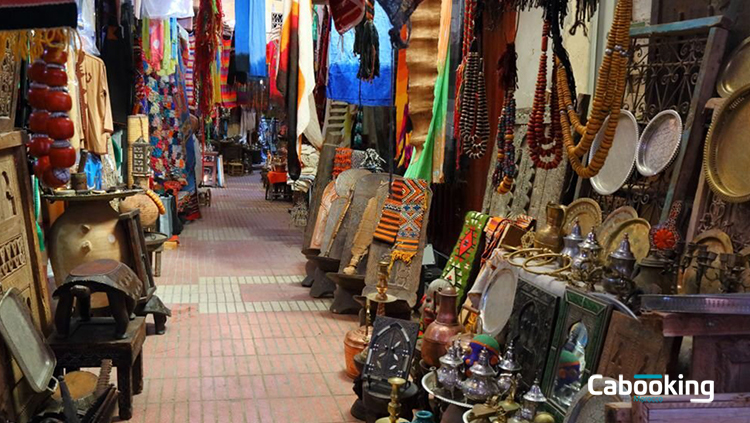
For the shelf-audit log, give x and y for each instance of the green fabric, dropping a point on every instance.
(461, 263)
(422, 167)
(37, 211)
(117, 148)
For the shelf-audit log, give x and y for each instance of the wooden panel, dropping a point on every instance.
(685, 324)
(723, 359)
(632, 347)
(727, 408)
(9, 75)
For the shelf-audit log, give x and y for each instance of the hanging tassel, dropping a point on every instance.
(367, 45)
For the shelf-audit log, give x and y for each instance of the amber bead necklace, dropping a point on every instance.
(541, 147)
(607, 100)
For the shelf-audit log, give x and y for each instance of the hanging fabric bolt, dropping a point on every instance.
(367, 44)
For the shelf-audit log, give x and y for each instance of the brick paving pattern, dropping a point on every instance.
(246, 343)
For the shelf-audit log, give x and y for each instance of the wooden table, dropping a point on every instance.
(92, 342)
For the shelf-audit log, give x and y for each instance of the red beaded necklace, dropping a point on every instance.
(541, 148)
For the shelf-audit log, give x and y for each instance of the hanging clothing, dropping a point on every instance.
(250, 38)
(96, 104)
(296, 78)
(228, 94)
(75, 96)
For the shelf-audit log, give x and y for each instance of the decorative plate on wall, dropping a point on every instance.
(619, 215)
(736, 72)
(638, 230)
(588, 213)
(726, 156)
(621, 158)
(659, 143)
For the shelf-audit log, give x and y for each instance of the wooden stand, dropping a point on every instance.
(92, 342)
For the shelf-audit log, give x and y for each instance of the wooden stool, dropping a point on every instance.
(92, 342)
(235, 169)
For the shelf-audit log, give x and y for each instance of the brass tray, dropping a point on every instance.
(621, 159)
(638, 230)
(726, 157)
(496, 302)
(659, 143)
(736, 72)
(718, 242)
(614, 220)
(587, 211)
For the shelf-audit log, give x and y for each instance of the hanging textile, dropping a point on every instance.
(343, 65)
(296, 79)
(401, 220)
(460, 265)
(399, 13)
(161, 9)
(208, 31)
(189, 65)
(250, 39)
(403, 133)
(228, 94)
(23, 14)
(429, 164)
(346, 14)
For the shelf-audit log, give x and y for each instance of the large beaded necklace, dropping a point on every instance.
(541, 148)
(607, 100)
(505, 168)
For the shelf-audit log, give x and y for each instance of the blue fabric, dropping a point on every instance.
(343, 64)
(250, 37)
(93, 172)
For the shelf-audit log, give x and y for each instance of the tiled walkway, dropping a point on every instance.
(246, 343)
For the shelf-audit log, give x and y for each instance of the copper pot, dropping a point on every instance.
(437, 337)
(354, 342)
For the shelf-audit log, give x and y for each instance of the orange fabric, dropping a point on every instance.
(276, 178)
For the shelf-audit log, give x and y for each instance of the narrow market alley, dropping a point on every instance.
(246, 342)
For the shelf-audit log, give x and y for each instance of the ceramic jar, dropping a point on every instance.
(437, 336)
(550, 236)
(423, 416)
(481, 385)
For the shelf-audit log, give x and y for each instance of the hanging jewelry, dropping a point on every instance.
(607, 100)
(474, 119)
(468, 35)
(505, 168)
(541, 148)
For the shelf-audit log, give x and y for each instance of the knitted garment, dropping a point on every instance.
(342, 161)
(461, 262)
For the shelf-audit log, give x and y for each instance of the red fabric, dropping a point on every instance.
(276, 177)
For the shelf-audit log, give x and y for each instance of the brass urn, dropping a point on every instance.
(550, 237)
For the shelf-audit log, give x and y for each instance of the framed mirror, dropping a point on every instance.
(531, 326)
(576, 347)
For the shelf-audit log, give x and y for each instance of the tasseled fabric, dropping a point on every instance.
(585, 10)
(367, 45)
(208, 33)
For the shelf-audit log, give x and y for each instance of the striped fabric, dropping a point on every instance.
(390, 220)
(189, 64)
(413, 208)
(228, 94)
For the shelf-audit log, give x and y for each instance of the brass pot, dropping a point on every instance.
(437, 337)
(550, 236)
(354, 343)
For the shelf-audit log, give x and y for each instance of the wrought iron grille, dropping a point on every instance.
(662, 75)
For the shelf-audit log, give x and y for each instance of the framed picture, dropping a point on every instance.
(576, 346)
(531, 326)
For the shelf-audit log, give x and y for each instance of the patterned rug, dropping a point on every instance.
(461, 263)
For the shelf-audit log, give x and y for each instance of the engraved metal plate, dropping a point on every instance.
(621, 159)
(659, 143)
(736, 72)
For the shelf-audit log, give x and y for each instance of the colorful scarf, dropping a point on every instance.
(401, 220)
(459, 267)
(228, 94)
(189, 65)
(341, 161)
(208, 32)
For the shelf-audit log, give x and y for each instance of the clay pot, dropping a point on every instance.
(354, 343)
(87, 231)
(438, 335)
(149, 210)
